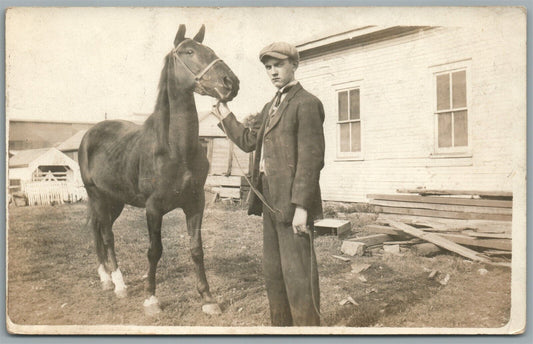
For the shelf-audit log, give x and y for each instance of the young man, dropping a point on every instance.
(289, 154)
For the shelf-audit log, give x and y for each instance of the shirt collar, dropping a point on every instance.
(290, 84)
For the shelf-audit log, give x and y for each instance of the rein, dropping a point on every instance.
(252, 187)
(199, 76)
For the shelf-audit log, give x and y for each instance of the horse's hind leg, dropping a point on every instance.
(105, 276)
(194, 213)
(114, 211)
(103, 213)
(96, 225)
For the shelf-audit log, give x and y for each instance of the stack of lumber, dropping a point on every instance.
(482, 241)
(449, 204)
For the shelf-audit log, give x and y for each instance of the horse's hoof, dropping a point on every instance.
(107, 285)
(121, 293)
(151, 306)
(211, 309)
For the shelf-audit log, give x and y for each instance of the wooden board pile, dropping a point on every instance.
(449, 204)
(475, 225)
(478, 241)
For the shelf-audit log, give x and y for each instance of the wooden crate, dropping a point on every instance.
(332, 227)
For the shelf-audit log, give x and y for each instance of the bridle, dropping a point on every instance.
(199, 76)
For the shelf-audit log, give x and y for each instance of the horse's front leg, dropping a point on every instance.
(154, 218)
(194, 216)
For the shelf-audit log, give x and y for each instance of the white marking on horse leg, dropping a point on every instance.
(151, 306)
(105, 278)
(120, 286)
(152, 300)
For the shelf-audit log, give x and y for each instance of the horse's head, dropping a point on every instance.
(200, 68)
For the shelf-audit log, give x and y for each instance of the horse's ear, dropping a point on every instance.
(200, 35)
(180, 36)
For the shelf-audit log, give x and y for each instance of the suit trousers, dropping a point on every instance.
(290, 269)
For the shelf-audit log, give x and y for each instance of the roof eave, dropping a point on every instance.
(344, 41)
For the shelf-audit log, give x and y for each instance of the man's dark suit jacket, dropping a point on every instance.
(294, 153)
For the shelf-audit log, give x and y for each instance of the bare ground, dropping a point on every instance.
(52, 276)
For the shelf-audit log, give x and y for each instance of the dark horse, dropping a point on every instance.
(159, 166)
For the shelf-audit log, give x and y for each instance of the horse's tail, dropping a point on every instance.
(94, 223)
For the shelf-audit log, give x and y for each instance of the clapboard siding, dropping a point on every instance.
(395, 79)
(220, 157)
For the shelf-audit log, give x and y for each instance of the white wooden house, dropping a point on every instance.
(411, 107)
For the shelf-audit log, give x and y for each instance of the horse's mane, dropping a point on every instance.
(159, 119)
(162, 96)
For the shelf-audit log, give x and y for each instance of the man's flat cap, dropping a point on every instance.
(279, 50)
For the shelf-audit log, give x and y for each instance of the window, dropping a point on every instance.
(349, 122)
(451, 111)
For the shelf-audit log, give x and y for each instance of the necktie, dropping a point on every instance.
(277, 98)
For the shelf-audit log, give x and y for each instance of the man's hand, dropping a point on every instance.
(299, 222)
(220, 110)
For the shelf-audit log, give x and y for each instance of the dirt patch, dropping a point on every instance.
(52, 276)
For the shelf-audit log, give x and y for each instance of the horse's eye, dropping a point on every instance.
(190, 52)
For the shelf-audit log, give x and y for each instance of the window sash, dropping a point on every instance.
(454, 130)
(347, 117)
(452, 97)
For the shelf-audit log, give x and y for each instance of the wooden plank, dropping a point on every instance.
(444, 200)
(444, 207)
(498, 244)
(373, 239)
(223, 181)
(228, 192)
(383, 230)
(341, 258)
(450, 224)
(439, 241)
(497, 253)
(403, 242)
(487, 235)
(443, 214)
(422, 191)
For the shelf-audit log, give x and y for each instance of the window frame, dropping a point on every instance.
(448, 69)
(347, 87)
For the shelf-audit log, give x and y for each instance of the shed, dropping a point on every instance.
(417, 106)
(41, 164)
(224, 158)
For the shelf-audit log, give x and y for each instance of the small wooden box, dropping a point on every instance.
(332, 227)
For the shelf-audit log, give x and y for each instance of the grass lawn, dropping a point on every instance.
(52, 277)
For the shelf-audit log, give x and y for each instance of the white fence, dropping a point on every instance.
(53, 192)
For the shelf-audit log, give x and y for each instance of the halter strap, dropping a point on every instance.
(198, 76)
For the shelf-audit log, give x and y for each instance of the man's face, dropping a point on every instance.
(280, 72)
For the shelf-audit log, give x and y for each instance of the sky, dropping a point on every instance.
(79, 64)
